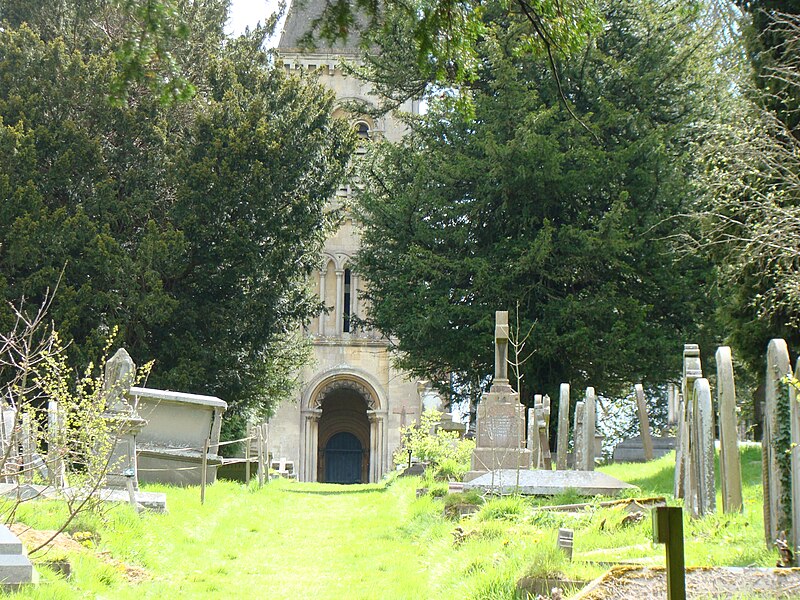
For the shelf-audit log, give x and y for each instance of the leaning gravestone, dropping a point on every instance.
(775, 513)
(730, 467)
(500, 417)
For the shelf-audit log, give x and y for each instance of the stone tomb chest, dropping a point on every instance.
(169, 448)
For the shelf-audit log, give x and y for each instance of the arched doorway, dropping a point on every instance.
(344, 435)
(343, 457)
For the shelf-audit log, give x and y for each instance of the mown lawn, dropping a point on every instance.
(290, 540)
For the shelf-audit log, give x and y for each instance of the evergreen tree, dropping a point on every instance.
(517, 203)
(192, 225)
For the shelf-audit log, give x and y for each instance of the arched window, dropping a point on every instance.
(362, 129)
(348, 285)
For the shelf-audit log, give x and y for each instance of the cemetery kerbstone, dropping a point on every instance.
(500, 422)
(730, 467)
(632, 449)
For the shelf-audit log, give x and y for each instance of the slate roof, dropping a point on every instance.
(302, 14)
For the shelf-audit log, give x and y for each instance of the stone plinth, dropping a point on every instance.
(500, 435)
(548, 483)
(632, 449)
(15, 567)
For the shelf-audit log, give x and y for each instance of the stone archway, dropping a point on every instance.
(342, 401)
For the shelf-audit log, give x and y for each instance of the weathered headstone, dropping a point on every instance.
(563, 427)
(644, 422)
(692, 370)
(673, 403)
(533, 436)
(794, 418)
(588, 438)
(122, 421)
(545, 461)
(56, 444)
(778, 366)
(729, 464)
(500, 422)
(702, 499)
(579, 435)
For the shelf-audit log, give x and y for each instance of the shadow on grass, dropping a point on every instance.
(335, 489)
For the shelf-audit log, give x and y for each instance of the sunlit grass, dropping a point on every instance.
(290, 540)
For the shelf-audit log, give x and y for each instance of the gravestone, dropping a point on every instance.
(644, 422)
(673, 402)
(701, 497)
(585, 433)
(122, 421)
(543, 425)
(579, 431)
(532, 442)
(692, 370)
(500, 422)
(794, 431)
(730, 467)
(563, 427)
(775, 513)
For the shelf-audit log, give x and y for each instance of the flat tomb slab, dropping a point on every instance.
(548, 483)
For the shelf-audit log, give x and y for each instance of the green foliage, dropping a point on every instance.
(509, 508)
(192, 226)
(445, 451)
(515, 202)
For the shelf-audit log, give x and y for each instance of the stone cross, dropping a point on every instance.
(119, 376)
(644, 422)
(501, 351)
(730, 467)
(404, 413)
(563, 427)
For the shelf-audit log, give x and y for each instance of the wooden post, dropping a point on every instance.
(668, 529)
(203, 474)
(247, 444)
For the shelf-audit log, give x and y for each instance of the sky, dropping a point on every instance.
(246, 13)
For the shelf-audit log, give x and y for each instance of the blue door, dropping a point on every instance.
(343, 454)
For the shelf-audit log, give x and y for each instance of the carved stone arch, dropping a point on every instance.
(344, 378)
(342, 261)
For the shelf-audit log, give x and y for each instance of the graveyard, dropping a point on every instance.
(290, 540)
(526, 518)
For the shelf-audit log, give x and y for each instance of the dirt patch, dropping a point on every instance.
(63, 544)
(650, 583)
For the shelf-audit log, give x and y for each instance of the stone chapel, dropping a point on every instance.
(344, 424)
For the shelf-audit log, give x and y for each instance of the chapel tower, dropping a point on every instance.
(345, 423)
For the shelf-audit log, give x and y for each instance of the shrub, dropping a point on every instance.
(434, 446)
